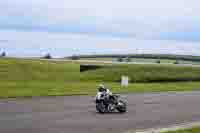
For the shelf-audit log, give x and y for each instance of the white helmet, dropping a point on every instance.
(101, 88)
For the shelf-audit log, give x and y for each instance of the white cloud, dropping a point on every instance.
(140, 17)
(147, 19)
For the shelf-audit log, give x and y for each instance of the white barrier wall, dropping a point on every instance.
(124, 81)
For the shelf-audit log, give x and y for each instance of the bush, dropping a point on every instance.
(176, 62)
(75, 57)
(47, 56)
(3, 54)
(158, 61)
(120, 59)
(89, 67)
(128, 59)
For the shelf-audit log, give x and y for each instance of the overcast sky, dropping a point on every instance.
(65, 27)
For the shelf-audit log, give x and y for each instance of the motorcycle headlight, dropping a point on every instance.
(120, 103)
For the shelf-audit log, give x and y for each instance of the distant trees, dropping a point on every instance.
(158, 61)
(75, 57)
(3, 54)
(120, 59)
(147, 56)
(47, 56)
(176, 62)
(128, 59)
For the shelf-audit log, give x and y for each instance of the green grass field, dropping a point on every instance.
(34, 78)
(20, 89)
(192, 130)
(32, 70)
(25, 78)
(143, 73)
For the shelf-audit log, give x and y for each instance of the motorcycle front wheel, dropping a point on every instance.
(122, 107)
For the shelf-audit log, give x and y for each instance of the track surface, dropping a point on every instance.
(77, 114)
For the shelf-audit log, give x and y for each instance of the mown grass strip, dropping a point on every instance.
(192, 130)
(29, 89)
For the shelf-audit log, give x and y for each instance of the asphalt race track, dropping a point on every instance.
(77, 114)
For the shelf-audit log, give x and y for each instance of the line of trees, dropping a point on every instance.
(49, 56)
(46, 56)
(147, 56)
(128, 57)
(121, 59)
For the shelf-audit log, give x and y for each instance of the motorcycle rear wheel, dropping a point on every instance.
(100, 107)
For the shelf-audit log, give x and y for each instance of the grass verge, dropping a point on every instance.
(29, 89)
(192, 130)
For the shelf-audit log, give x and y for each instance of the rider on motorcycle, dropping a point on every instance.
(111, 101)
(102, 90)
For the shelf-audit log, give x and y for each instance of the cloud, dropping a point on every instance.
(65, 27)
(140, 18)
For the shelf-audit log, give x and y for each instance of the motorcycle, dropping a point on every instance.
(110, 103)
